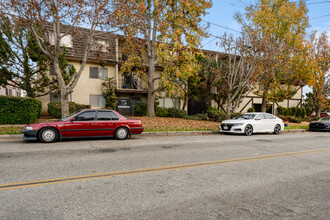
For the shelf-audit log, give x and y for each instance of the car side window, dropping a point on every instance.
(267, 116)
(86, 116)
(260, 116)
(107, 116)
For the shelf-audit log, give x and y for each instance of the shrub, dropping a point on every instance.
(283, 117)
(303, 113)
(16, 110)
(313, 118)
(213, 114)
(54, 108)
(202, 117)
(161, 111)
(294, 119)
(251, 109)
(140, 109)
(280, 110)
(177, 113)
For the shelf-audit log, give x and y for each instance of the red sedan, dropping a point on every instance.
(85, 123)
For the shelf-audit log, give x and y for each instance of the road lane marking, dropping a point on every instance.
(150, 170)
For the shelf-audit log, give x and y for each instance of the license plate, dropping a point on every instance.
(225, 127)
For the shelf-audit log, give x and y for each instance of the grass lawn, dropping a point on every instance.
(161, 124)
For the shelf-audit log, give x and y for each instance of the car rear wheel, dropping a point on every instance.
(248, 130)
(121, 133)
(277, 129)
(48, 135)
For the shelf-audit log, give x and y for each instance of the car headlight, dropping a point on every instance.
(28, 128)
(238, 124)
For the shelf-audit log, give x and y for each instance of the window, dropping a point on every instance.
(96, 100)
(169, 102)
(98, 73)
(260, 116)
(86, 116)
(55, 97)
(107, 116)
(131, 81)
(65, 40)
(18, 94)
(267, 116)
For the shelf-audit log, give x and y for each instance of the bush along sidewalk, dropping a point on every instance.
(16, 110)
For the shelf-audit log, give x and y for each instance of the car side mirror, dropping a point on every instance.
(72, 119)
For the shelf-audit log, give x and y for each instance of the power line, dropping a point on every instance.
(218, 25)
(321, 16)
(314, 3)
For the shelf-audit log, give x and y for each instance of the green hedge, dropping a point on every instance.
(177, 113)
(16, 110)
(293, 111)
(140, 109)
(54, 108)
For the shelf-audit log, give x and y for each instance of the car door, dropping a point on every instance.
(270, 122)
(106, 123)
(82, 125)
(259, 123)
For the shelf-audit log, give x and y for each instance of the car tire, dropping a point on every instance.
(248, 131)
(121, 133)
(48, 135)
(277, 129)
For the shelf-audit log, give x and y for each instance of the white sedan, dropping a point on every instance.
(253, 122)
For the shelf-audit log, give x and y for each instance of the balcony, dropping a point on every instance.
(130, 83)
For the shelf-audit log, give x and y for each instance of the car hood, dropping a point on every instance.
(44, 124)
(233, 121)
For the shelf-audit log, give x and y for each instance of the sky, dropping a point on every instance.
(222, 12)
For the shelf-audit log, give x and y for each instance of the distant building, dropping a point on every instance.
(10, 90)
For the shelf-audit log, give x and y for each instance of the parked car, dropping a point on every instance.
(253, 122)
(321, 125)
(323, 114)
(84, 123)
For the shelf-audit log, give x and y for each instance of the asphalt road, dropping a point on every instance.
(263, 176)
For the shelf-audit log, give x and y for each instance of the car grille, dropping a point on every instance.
(228, 127)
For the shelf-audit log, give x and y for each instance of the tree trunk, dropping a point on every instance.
(228, 108)
(64, 103)
(185, 101)
(263, 105)
(151, 88)
(318, 111)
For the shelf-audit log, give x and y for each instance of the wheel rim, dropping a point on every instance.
(48, 135)
(122, 133)
(248, 130)
(277, 129)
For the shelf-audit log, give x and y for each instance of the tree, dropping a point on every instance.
(233, 73)
(165, 31)
(280, 26)
(319, 57)
(21, 53)
(51, 22)
(108, 92)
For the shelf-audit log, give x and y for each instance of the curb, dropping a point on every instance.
(169, 133)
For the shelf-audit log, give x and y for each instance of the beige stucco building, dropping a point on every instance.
(104, 61)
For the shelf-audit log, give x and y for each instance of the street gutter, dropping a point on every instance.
(169, 133)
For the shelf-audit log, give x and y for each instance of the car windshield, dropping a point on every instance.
(246, 117)
(65, 118)
(325, 119)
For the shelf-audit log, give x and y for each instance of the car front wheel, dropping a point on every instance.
(48, 135)
(277, 129)
(248, 130)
